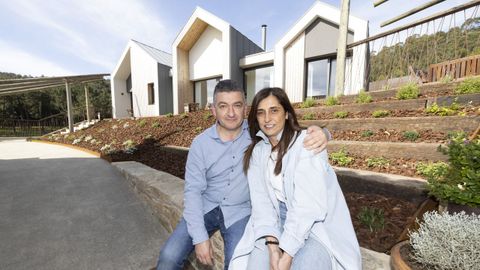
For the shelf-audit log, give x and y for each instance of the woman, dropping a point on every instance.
(299, 219)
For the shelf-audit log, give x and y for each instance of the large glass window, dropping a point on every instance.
(204, 91)
(321, 77)
(256, 80)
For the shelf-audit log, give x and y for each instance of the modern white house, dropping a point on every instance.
(149, 82)
(142, 82)
(206, 50)
(304, 59)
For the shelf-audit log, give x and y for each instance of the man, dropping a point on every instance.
(216, 195)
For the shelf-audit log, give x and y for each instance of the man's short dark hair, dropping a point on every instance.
(227, 86)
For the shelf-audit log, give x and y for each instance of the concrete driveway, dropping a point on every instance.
(65, 209)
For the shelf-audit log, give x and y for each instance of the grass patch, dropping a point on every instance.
(468, 86)
(309, 102)
(377, 162)
(340, 114)
(411, 135)
(331, 100)
(372, 217)
(363, 97)
(308, 116)
(366, 133)
(341, 158)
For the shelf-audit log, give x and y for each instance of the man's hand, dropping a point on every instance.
(204, 252)
(285, 262)
(316, 139)
(274, 252)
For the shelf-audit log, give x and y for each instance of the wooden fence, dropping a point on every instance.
(458, 68)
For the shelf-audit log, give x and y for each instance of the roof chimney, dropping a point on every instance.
(264, 37)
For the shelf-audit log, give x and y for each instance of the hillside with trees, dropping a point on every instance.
(419, 51)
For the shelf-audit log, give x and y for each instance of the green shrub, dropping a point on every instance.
(341, 158)
(408, 91)
(461, 182)
(340, 114)
(155, 125)
(331, 100)
(367, 133)
(380, 113)
(309, 102)
(183, 115)
(411, 135)
(363, 97)
(169, 115)
(372, 217)
(308, 116)
(433, 170)
(378, 162)
(207, 115)
(142, 123)
(198, 129)
(468, 86)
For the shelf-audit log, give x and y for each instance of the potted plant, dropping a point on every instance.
(443, 241)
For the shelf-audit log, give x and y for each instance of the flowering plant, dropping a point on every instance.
(460, 183)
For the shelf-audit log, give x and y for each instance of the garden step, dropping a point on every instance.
(411, 104)
(434, 123)
(391, 185)
(417, 151)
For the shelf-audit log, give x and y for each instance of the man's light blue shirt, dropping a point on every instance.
(214, 177)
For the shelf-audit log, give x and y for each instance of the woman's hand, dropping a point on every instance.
(274, 251)
(285, 262)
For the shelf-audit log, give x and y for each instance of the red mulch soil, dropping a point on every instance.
(390, 135)
(470, 110)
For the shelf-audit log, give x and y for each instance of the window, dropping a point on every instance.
(129, 83)
(151, 94)
(257, 79)
(203, 92)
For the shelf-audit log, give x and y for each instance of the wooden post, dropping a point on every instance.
(86, 103)
(342, 47)
(69, 107)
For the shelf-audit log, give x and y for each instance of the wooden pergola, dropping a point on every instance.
(15, 86)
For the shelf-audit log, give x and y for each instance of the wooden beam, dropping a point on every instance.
(379, 2)
(69, 107)
(411, 12)
(422, 21)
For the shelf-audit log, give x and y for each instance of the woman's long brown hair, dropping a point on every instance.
(291, 126)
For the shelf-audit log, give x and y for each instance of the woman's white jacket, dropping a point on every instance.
(315, 203)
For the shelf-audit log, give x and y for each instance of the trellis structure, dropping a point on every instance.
(15, 86)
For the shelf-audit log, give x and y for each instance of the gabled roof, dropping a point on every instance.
(159, 55)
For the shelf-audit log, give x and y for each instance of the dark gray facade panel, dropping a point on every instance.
(239, 47)
(321, 38)
(165, 90)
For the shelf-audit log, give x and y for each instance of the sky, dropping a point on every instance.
(75, 37)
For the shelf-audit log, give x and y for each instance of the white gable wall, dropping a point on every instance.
(144, 71)
(294, 69)
(204, 60)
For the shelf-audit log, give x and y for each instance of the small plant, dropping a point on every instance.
(331, 100)
(207, 115)
(434, 109)
(340, 114)
(468, 86)
(169, 115)
(183, 115)
(309, 102)
(366, 133)
(341, 158)
(155, 125)
(142, 123)
(198, 129)
(447, 241)
(363, 97)
(308, 116)
(108, 149)
(411, 135)
(126, 125)
(148, 136)
(380, 113)
(88, 138)
(408, 91)
(372, 217)
(129, 146)
(77, 141)
(114, 127)
(378, 162)
(432, 170)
